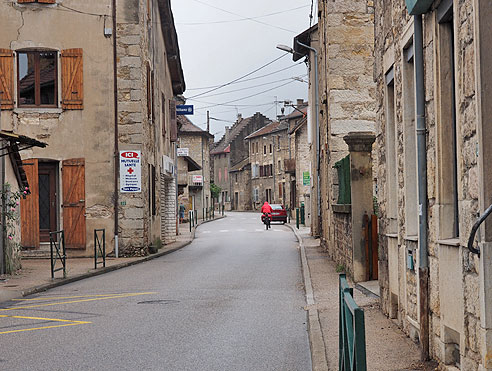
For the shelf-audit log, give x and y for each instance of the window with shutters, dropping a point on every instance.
(173, 121)
(37, 79)
(36, 1)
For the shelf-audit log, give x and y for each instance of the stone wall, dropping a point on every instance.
(341, 251)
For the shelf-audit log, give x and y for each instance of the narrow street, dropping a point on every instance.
(232, 300)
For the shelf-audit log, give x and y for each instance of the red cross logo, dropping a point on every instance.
(131, 171)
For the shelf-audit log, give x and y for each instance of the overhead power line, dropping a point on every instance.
(238, 105)
(240, 19)
(248, 18)
(297, 78)
(243, 98)
(250, 79)
(239, 78)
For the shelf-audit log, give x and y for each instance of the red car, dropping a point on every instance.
(279, 214)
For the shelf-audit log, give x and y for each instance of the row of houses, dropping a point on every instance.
(89, 123)
(255, 161)
(400, 159)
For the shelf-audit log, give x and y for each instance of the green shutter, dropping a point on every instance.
(343, 170)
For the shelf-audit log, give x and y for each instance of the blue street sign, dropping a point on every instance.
(184, 109)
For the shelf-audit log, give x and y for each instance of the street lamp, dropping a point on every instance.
(316, 93)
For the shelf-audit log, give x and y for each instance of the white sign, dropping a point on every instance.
(130, 171)
(197, 179)
(183, 152)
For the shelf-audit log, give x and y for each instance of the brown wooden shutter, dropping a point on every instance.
(73, 178)
(6, 79)
(72, 79)
(30, 206)
(173, 132)
(25, 1)
(47, 1)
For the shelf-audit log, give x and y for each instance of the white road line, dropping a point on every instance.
(224, 230)
(258, 230)
(240, 230)
(205, 232)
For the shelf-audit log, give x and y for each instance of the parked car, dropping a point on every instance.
(279, 214)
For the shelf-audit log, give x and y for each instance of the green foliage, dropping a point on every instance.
(340, 268)
(157, 243)
(215, 190)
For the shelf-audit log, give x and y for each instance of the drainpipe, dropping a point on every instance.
(116, 146)
(316, 91)
(422, 188)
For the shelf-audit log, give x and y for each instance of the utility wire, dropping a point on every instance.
(238, 105)
(250, 79)
(255, 86)
(239, 78)
(249, 18)
(240, 19)
(243, 98)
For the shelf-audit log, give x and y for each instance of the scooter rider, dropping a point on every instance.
(267, 210)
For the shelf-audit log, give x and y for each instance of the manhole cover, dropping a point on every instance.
(158, 302)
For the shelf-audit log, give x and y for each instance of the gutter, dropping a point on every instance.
(422, 187)
(116, 146)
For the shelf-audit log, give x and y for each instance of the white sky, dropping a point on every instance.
(216, 53)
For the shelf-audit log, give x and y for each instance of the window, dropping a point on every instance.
(225, 174)
(262, 170)
(264, 150)
(37, 78)
(271, 169)
(280, 190)
(279, 166)
(270, 148)
(152, 193)
(163, 114)
(256, 147)
(236, 177)
(278, 143)
(447, 158)
(391, 159)
(409, 143)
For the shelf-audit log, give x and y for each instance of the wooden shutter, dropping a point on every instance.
(30, 206)
(163, 113)
(47, 1)
(72, 79)
(37, 1)
(25, 1)
(73, 178)
(173, 132)
(6, 79)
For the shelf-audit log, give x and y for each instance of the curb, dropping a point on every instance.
(48, 286)
(316, 341)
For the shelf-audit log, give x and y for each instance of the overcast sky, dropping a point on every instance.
(218, 45)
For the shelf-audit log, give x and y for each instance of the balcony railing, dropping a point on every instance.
(290, 165)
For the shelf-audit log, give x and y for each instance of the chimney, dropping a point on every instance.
(239, 117)
(227, 134)
(300, 103)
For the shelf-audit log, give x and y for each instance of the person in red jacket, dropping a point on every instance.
(266, 208)
(266, 211)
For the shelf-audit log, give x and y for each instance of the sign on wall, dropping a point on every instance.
(184, 109)
(183, 152)
(197, 179)
(306, 178)
(130, 171)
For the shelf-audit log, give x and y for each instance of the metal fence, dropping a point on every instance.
(57, 252)
(351, 338)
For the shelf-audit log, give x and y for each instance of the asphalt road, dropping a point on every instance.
(232, 300)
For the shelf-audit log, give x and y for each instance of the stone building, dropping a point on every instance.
(193, 167)
(99, 101)
(301, 175)
(231, 150)
(268, 148)
(434, 86)
(241, 185)
(340, 50)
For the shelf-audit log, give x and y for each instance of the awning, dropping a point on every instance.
(15, 144)
(192, 165)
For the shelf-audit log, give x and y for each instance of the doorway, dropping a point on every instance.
(47, 175)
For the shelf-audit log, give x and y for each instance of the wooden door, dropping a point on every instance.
(73, 180)
(30, 206)
(47, 199)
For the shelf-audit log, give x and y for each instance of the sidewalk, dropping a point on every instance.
(35, 275)
(387, 347)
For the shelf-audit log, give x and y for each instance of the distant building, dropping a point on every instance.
(231, 150)
(193, 167)
(268, 148)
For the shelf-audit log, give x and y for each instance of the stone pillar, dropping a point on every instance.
(360, 147)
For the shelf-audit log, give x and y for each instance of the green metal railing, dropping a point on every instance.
(99, 247)
(351, 338)
(57, 251)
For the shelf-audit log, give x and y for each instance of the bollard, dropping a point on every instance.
(189, 219)
(303, 221)
(204, 212)
(196, 218)
(297, 218)
(288, 214)
(223, 207)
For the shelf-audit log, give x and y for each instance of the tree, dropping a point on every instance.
(215, 190)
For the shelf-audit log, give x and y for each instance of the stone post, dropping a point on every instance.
(360, 147)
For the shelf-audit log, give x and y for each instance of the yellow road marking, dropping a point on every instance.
(78, 301)
(69, 297)
(67, 323)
